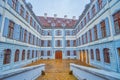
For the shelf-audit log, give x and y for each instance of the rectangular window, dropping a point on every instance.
(95, 33)
(68, 53)
(100, 4)
(14, 3)
(22, 11)
(74, 53)
(103, 29)
(68, 43)
(82, 39)
(79, 41)
(58, 43)
(48, 53)
(81, 25)
(49, 43)
(74, 43)
(27, 16)
(42, 53)
(92, 54)
(88, 16)
(11, 29)
(35, 25)
(90, 33)
(85, 21)
(33, 39)
(86, 37)
(20, 38)
(42, 43)
(37, 41)
(117, 22)
(29, 38)
(31, 21)
(25, 35)
(93, 10)
(119, 55)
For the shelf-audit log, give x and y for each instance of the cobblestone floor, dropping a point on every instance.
(57, 69)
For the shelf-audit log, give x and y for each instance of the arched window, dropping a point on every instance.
(106, 55)
(32, 53)
(97, 55)
(17, 52)
(23, 55)
(48, 53)
(28, 54)
(7, 56)
(92, 54)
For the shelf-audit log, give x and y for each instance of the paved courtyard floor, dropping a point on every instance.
(57, 69)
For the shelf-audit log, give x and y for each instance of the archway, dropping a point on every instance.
(58, 55)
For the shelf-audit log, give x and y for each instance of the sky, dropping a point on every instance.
(60, 7)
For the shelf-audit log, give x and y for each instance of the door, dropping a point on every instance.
(58, 55)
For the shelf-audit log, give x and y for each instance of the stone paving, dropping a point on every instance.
(57, 69)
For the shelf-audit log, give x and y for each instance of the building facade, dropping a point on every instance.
(94, 38)
(98, 34)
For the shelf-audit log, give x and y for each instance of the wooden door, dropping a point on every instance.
(58, 55)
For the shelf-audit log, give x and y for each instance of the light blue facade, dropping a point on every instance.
(38, 34)
(111, 41)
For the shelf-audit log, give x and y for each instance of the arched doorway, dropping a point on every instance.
(58, 55)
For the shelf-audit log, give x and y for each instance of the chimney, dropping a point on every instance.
(74, 17)
(55, 16)
(45, 15)
(65, 16)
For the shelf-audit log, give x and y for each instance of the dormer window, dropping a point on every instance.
(63, 24)
(49, 21)
(68, 22)
(53, 24)
(59, 21)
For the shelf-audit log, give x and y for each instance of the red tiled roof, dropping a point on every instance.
(56, 22)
